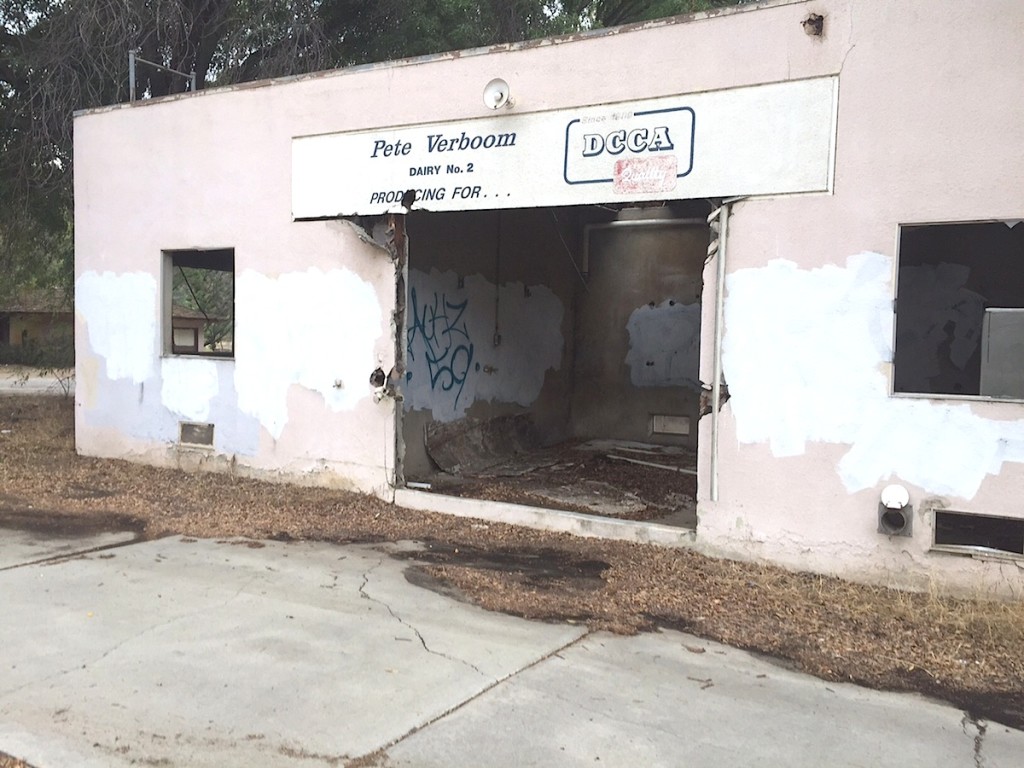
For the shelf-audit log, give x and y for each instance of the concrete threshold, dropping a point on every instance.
(545, 519)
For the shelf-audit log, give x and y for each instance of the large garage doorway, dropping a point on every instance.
(552, 357)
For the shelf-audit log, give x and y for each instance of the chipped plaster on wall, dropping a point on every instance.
(133, 409)
(188, 385)
(290, 330)
(835, 388)
(664, 345)
(313, 328)
(105, 300)
(453, 361)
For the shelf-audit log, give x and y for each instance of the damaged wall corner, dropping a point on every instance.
(399, 248)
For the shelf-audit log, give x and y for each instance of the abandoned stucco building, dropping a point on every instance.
(857, 324)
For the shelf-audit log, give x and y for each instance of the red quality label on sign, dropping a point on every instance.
(645, 174)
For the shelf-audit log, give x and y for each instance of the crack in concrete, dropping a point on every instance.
(363, 594)
(980, 728)
(56, 559)
(382, 750)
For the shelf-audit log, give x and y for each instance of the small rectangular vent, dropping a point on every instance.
(663, 424)
(971, 533)
(191, 433)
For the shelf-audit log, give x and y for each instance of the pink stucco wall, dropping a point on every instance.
(930, 125)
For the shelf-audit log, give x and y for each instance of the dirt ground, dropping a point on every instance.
(572, 476)
(967, 652)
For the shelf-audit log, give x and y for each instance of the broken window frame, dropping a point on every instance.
(175, 261)
(898, 267)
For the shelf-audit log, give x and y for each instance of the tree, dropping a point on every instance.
(211, 293)
(392, 29)
(59, 56)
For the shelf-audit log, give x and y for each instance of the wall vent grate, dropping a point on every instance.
(664, 424)
(194, 433)
(978, 534)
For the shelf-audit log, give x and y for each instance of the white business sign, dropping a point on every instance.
(760, 140)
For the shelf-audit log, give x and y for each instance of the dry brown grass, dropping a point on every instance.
(965, 651)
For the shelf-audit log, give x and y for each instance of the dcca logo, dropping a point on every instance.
(636, 141)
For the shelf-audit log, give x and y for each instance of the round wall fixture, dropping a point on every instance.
(497, 94)
(894, 511)
(895, 497)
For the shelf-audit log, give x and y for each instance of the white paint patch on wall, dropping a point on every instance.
(803, 348)
(944, 449)
(188, 385)
(310, 328)
(120, 311)
(664, 345)
(803, 354)
(452, 359)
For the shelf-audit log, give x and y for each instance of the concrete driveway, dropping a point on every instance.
(179, 652)
(18, 380)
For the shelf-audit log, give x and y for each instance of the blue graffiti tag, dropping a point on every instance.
(446, 344)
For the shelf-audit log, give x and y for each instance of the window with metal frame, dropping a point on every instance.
(199, 314)
(960, 310)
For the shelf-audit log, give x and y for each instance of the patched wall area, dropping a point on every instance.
(132, 397)
(121, 313)
(309, 306)
(314, 329)
(664, 345)
(806, 355)
(284, 399)
(853, 337)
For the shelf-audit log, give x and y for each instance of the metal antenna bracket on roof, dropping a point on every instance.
(134, 59)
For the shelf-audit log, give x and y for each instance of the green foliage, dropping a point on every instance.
(210, 293)
(59, 56)
(36, 242)
(392, 29)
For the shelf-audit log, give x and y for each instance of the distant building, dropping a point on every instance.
(33, 317)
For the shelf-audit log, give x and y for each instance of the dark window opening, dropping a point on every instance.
(201, 309)
(960, 310)
(1001, 534)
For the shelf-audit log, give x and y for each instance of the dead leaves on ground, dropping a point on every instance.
(968, 651)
